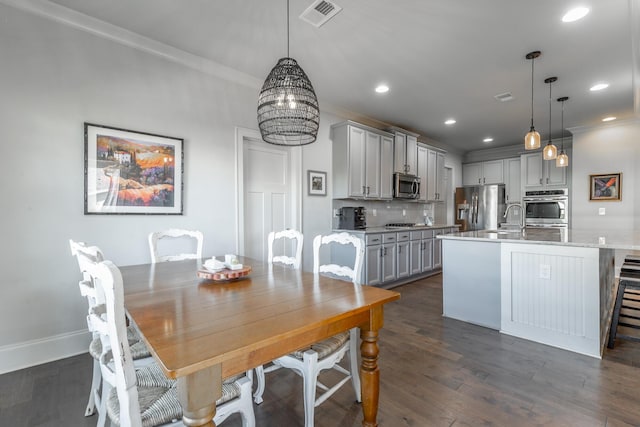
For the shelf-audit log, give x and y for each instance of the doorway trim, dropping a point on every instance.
(295, 168)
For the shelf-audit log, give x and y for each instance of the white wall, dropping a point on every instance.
(607, 149)
(54, 78)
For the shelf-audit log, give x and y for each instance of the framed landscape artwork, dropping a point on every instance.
(317, 183)
(129, 172)
(607, 187)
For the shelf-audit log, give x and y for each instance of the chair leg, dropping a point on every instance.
(257, 396)
(353, 360)
(95, 384)
(309, 381)
(616, 314)
(102, 410)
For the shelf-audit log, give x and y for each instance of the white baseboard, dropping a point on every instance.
(36, 352)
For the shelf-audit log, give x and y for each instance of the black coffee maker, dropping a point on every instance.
(352, 218)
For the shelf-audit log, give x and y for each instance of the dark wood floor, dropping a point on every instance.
(434, 372)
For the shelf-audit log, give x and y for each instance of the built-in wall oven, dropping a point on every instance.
(547, 208)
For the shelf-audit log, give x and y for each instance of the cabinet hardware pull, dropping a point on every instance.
(385, 251)
(540, 180)
(399, 249)
(547, 180)
(364, 189)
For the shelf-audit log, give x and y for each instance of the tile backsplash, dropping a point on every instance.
(380, 213)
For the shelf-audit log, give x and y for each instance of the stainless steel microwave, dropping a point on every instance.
(406, 186)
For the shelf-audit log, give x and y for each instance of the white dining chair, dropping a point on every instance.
(326, 354)
(145, 396)
(175, 233)
(285, 236)
(86, 256)
(295, 261)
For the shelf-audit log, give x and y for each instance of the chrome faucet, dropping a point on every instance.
(516, 205)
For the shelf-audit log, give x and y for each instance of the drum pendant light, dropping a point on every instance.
(532, 139)
(550, 151)
(288, 112)
(562, 161)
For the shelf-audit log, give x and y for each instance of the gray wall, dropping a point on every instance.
(53, 79)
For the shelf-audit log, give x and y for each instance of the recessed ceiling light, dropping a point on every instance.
(382, 89)
(575, 14)
(608, 119)
(599, 86)
(449, 122)
(488, 139)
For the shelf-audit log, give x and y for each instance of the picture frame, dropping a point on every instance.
(317, 182)
(605, 187)
(132, 172)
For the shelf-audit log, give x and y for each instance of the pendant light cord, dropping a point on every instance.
(550, 83)
(532, 61)
(288, 29)
(562, 125)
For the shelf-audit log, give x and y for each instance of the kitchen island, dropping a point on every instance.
(556, 287)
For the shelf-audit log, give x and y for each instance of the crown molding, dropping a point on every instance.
(614, 123)
(80, 21)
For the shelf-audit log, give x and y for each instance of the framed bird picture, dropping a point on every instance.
(605, 187)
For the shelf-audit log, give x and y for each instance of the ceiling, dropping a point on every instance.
(441, 58)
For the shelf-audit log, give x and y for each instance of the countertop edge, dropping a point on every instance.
(613, 239)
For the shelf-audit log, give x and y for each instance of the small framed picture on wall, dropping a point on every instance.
(605, 187)
(317, 182)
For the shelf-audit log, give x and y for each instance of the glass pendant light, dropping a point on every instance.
(288, 111)
(532, 139)
(562, 161)
(550, 151)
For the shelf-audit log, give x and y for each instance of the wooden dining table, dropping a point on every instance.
(201, 331)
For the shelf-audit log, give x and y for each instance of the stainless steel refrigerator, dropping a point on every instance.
(480, 207)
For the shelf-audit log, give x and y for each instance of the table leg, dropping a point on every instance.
(369, 371)
(198, 393)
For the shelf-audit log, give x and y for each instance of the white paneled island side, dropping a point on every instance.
(555, 287)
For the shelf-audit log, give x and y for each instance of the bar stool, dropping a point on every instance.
(628, 295)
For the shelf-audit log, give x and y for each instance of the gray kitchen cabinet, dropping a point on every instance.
(415, 256)
(389, 257)
(427, 251)
(435, 176)
(386, 167)
(405, 152)
(431, 173)
(512, 180)
(361, 162)
(373, 265)
(421, 251)
(539, 173)
(403, 254)
(422, 161)
(480, 173)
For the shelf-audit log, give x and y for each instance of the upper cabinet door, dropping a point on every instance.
(555, 175)
(531, 165)
(440, 196)
(472, 174)
(399, 156)
(357, 162)
(512, 180)
(411, 155)
(372, 166)
(386, 168)
(422, 155)
(493, 172)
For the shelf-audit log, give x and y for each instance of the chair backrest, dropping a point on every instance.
(110, 322)
(296, 260)
(86, 255)
(352, 273)
(175, 233)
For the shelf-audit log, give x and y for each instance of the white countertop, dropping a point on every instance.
(383, 229)
(611, 239)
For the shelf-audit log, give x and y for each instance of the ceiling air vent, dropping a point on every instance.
(504, 97)
(320, 12)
